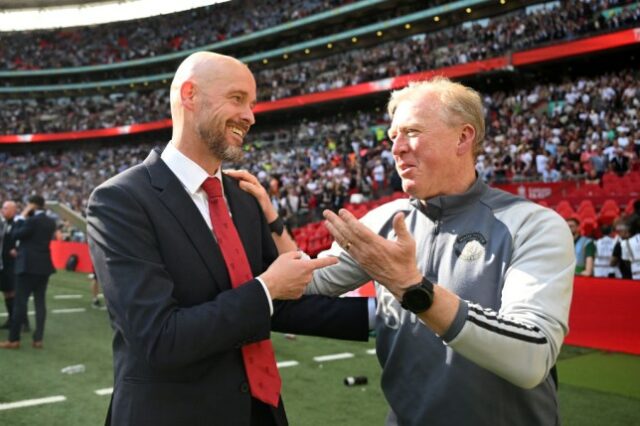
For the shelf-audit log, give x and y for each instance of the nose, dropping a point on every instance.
(399, 145)
(247, 116)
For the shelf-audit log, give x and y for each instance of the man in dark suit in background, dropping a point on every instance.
(8, 252)
(34, 230)
(8, 260)
(191, 274)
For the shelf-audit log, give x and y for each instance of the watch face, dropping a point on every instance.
(418, 300)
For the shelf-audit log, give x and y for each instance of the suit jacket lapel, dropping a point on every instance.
(247, 219)
(173, 195)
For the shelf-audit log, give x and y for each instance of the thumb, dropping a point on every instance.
(400, 227)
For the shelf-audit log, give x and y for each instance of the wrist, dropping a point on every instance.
(269, 212)
(413, 279)
(265, 280)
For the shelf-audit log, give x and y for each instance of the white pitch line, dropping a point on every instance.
(285, 364)
(333, 357)
(105, 391)
(32, 402)
(68, 311)
(68, 296)
(371, 351)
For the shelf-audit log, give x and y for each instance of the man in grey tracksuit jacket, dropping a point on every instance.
(503, 267)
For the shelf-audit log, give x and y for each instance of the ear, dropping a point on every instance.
(466, 139)
(187, 95)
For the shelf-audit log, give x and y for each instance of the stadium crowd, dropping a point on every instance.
(579, 128)
(546, 132)
(150, 37)
(134, 39)
(460, 44)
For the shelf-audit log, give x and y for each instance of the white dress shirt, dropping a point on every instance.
(192, 176)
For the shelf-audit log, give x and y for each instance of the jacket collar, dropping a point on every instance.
(439, 207)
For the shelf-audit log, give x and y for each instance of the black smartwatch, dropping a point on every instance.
(277, 226)
(418, 298)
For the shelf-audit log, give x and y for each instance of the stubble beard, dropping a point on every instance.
(217, 144)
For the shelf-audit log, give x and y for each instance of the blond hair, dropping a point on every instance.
(460, 104)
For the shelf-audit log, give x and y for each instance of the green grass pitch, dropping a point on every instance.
(596, 388)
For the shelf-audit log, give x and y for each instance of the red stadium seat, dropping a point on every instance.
(607, 217)
(586, 206)
(587, 215)
(609, 205)
(565, 210)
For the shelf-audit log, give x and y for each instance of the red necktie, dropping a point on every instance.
(259, 360)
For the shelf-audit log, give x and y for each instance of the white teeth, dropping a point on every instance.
(237, 131)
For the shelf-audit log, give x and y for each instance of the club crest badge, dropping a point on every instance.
(470, 247)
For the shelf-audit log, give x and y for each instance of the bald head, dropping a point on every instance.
(9, 210)
(212, 100)
(203, 69)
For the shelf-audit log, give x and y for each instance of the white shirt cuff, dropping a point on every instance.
(266, 291)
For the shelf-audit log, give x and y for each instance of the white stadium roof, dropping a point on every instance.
(20, 15)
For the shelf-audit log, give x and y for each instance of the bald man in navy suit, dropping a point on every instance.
(158, 243)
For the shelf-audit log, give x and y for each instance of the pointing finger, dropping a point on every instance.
(322, 262)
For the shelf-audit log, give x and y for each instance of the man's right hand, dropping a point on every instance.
(288, 276)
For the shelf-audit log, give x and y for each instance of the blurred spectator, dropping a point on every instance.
(631, 254)
(623, 265)
(585, 249)
(604, 252)
(634, 219)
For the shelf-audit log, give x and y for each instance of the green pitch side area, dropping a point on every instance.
(613, 373)
(596, 388)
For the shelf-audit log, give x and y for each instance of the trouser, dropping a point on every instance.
(26, 284)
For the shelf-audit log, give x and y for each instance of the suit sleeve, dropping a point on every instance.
(139, 290)
(345, 318)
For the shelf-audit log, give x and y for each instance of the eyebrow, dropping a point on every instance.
(404, 127)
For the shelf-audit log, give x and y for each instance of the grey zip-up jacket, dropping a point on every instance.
(512, 263)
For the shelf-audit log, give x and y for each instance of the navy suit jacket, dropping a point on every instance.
(35, 234)
(179, 325)
(8, 243)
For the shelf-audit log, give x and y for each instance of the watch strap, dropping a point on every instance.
(277, 226)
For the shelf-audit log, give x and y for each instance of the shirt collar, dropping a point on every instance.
(188, 172)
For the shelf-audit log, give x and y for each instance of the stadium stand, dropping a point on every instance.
(555, 130)
(560, 82)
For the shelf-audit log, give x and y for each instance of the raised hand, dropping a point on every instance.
(390, 262)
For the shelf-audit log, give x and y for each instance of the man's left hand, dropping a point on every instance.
(390, 262)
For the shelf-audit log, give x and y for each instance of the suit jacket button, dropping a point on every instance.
(244, 387)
